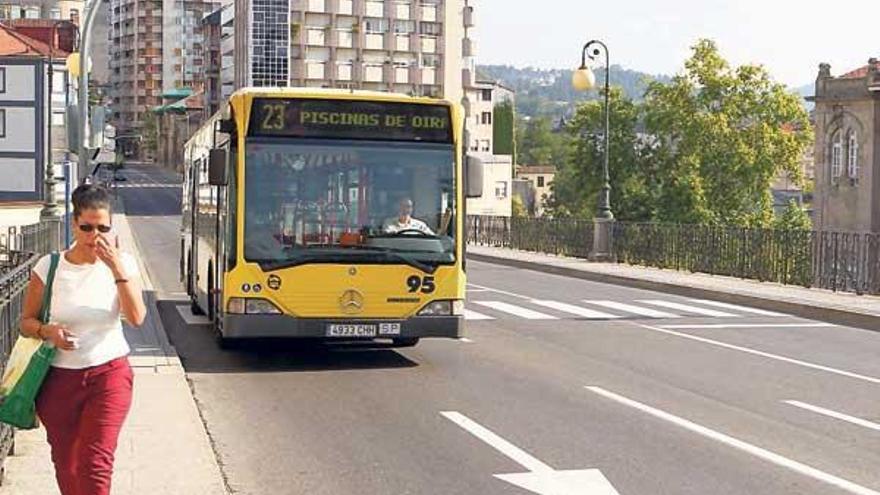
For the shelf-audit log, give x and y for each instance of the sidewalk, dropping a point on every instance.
(164, 448)
(819, 304)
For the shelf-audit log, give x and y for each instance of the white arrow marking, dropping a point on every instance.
(541, 478)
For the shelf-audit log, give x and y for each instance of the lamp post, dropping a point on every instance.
(582, 80)
(50, 214)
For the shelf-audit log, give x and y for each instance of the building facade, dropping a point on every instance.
(538, 178)
(482, 99)
(28, 103)
(155, 46)
(405, 46)
(847, 159)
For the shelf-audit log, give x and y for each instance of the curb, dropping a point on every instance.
(803, 310)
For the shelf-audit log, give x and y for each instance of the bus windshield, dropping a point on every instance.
(334, 201)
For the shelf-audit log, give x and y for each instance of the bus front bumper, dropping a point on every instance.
(274, 326)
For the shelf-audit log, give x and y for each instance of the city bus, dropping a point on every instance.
(328, 214)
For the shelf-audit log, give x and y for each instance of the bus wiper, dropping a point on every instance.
(391, 253)
(408, 233)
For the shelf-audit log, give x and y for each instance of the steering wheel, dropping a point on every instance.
(412, 232)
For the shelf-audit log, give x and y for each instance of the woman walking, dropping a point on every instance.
(87, 393)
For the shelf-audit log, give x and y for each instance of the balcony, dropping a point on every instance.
(315, 70)
(373, 73)
(374, 9)
(403, 11)
(429, 75)
(401, 75)
(429, 44)
(344, 72)
(316, 37)
(344, 39)
(429, 12)
(345, 7)
(375, 41)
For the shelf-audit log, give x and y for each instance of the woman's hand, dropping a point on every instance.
(58, 335)
(109, 254)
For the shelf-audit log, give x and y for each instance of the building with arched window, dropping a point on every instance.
(847, 122)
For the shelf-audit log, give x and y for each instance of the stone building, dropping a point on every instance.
(847, 160)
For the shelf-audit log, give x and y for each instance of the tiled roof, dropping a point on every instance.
(536, 169)
(13, 43)
(859, 73)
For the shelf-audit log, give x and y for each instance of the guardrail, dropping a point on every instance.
(839, 261)
(20, 248)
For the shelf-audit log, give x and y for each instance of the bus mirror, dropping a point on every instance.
(473, 177)
(217, 168)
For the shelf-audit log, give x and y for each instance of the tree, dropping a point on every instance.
(794, 217)
(151, 132)
(575, 188)
(722, 135)
(517, 208)
(539, 144)
(503, 136)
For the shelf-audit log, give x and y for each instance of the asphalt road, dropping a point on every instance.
(661, 394)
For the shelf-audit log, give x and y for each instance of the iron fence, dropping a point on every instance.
(561, 236)
(839, 261)
(20, 248)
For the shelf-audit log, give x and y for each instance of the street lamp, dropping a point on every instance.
(584, 79)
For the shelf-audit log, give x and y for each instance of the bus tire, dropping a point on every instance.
(405, 341)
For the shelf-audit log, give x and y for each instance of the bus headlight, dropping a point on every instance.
(437, 308)
(251, 306)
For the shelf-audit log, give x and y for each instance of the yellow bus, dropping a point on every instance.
(328, 214)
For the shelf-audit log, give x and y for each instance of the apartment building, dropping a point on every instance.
(155, 47)
(405, 46)
(482, 102)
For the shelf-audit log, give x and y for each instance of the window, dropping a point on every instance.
(487, 118)
(501, 189)
(74, 16)
(404, 27)
(852, 155)
(836, 156)
(540, 181)
(31, 12)
(2, 79)
(379, 26)
(429, 28)
(486, 94)
(55, 13)
(2, 122)
(484, 145)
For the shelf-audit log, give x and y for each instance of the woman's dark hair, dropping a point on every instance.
(90, 197)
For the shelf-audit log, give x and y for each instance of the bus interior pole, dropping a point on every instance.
(83, 98)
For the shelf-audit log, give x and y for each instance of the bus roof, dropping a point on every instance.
(334, 93)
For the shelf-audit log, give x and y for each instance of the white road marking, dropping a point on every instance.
(834, 414)
(520, 456)
(516, 310)
(736, 307)
(473, 315)
(636, 310)
(541, 478)
(777, 357)
(190, 318)
(746, 447)
(499, 291)
(688, 308)
(754, 325)
(575, 310)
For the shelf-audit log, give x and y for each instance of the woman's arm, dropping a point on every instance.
(31, 326)
(131, 301)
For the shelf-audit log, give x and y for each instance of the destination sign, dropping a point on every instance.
(345, 119)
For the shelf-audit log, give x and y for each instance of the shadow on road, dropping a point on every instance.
(199, 352)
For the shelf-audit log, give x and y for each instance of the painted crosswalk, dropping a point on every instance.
(481, 308)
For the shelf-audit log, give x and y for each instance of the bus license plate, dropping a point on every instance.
(351, 330)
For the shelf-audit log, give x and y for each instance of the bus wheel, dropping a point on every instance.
(405, 341)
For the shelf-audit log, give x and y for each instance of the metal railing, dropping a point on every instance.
(839, 261)
(560, 236)
(20, 248)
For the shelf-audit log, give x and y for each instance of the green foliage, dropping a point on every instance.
(518, 210)
(714, 139)
(539, 144)
(794, 217)
(151, 132)
(503, 129)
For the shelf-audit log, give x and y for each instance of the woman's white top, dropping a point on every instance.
(84, 298)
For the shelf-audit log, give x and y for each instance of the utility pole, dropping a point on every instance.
(83, 100)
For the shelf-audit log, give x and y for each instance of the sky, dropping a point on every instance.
(789, 37)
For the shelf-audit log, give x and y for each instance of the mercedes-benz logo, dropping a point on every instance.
(351, 302)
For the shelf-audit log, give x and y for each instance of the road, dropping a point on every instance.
(659, 393)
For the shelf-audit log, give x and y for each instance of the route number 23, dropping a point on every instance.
(274, 117)
(425, 284)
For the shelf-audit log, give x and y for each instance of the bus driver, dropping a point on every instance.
(405, 221)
